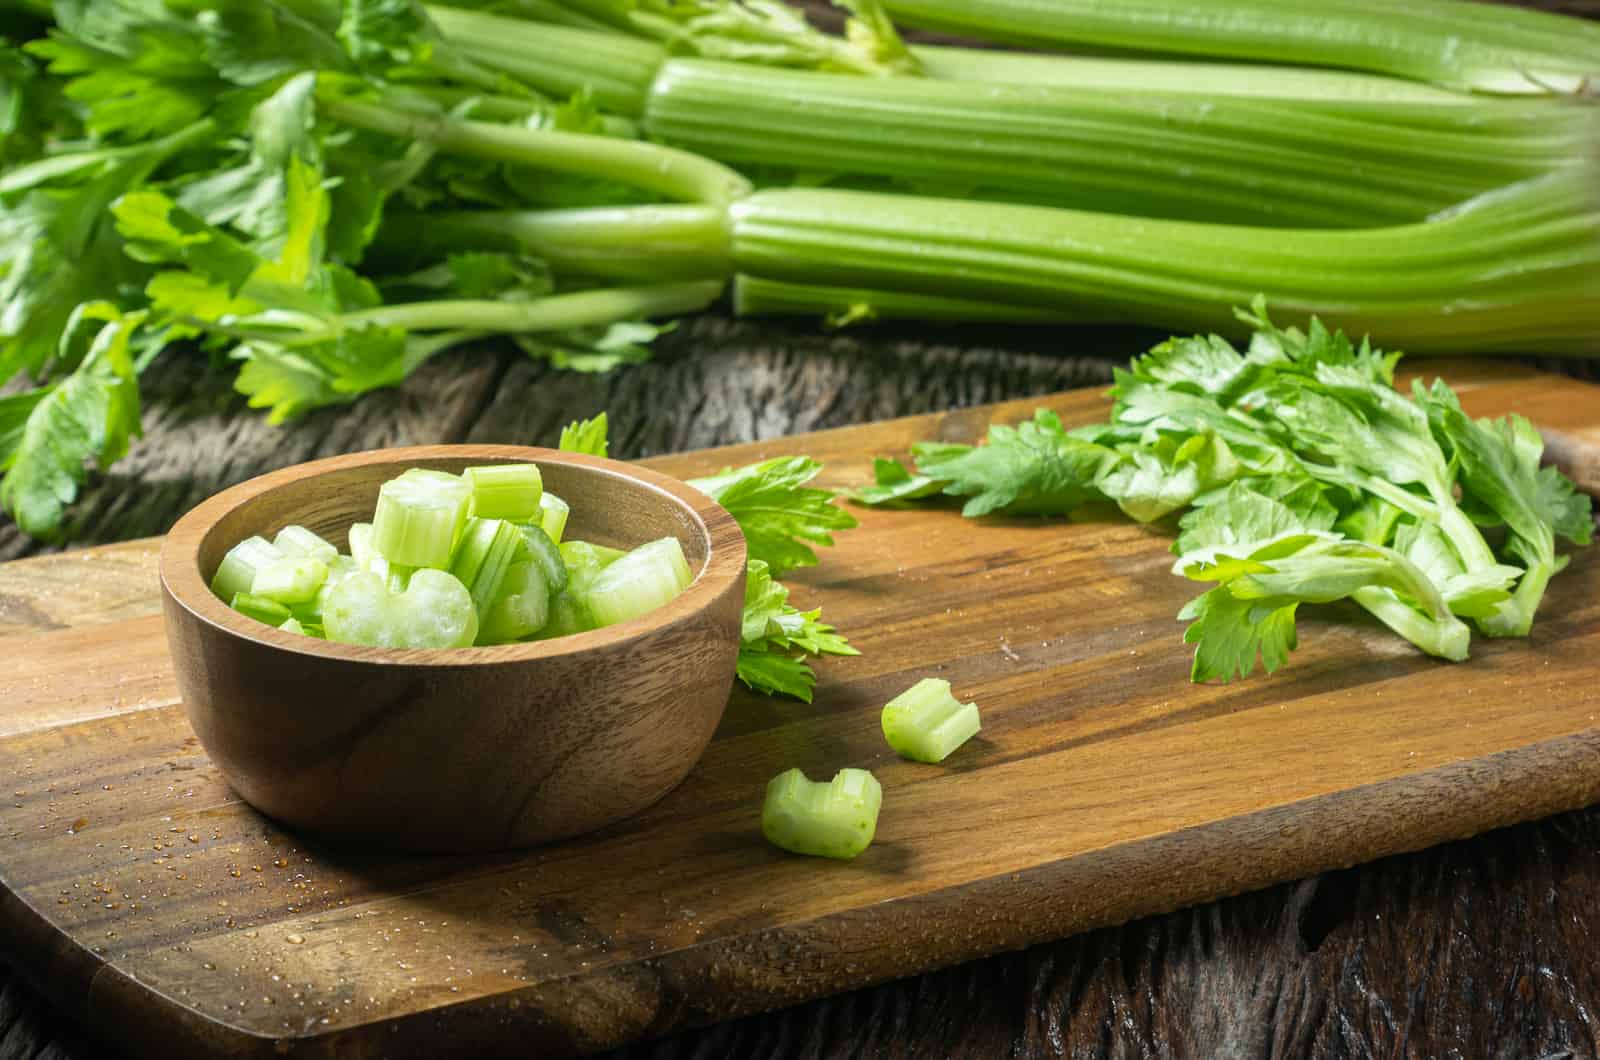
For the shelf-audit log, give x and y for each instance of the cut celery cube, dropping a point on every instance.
(836, 819)
(298, 541)
(434, 611)
(521, 609)
(291, 580)
(486, 551)
(925, 723)
(292, 625)
(638, 582)
(568, 615)
(553, 512)
(505, 491)
(543, 551)
(237, 571)
(361, 550)
(587, 554)
(260, 608)
(419, 514)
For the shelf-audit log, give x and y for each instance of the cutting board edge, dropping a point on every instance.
(1502, 789)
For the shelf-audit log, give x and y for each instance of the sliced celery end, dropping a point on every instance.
(237, 571)
(260, 608)
(587, 554)
(505, 491)
(553, 513)
(418, 516)
(522, 607)
(543, 551)
(434, 611)
(486, 551)
(292, 625)
(291, 580)
(925, 723)
(298, 541)
(568, 615)
(836, 819)
(639, 582)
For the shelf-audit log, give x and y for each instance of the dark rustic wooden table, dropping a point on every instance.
(1482, 948)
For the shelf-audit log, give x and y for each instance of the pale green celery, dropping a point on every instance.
(545, 554)
(1472, 46)
(1187, 77)
(362, 551)
(925, 723)
(290, 580)
(434, 611)
(522, 607)
(835, 819)
(260, 608)
(418, 516)
(485, 553)
(616, 69)
(505, 491)
(651, 167)
(1513, 270)
(237, 571)
(1330, 164)
(576, 554)
(666, 242)
(296, 540)
(1438, 637)
(292, 625)
(639, 582)
(554, 313)
(561, 13)
(568, 616)
(429, 99)
(553, 513)
(753, 296)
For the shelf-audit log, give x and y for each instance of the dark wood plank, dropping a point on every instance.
(1359, 749)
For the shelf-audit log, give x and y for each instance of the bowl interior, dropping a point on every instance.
(608, 507)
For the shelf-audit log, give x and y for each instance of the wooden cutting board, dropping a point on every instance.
(169, 917)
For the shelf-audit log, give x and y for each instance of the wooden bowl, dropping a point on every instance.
(468, 749)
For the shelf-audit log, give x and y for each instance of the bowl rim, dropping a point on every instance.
(183, 584)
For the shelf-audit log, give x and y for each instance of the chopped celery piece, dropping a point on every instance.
(292, 625)
(434, 611)
(639, 582)
(543, 551)
(831, 820)
(587, 554)
(925, 722)
(291, 580)
(505, 491)
(260, 608)
(521, 609)
(553, 512)
(361, 550)
(298, 541)
(419, 514)
(487, 549)
(237, 571)
(568, 615)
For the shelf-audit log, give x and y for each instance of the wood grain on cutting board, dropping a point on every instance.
(1104, 787)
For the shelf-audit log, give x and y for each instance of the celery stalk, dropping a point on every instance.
(545, 554)
(260, 608)
(290, 580)
(484, 555)
(522, 607)
(298, 541)
(553, 513)
(1515, 269)
(1215, 158)
(1472, 46)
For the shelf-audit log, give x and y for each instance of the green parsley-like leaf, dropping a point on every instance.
(585, 436)
(1033, 468)
(895, 485)
(781, 517)
(89, 415)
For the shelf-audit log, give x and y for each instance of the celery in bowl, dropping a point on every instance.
(450, 748)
